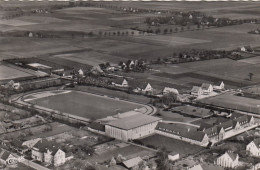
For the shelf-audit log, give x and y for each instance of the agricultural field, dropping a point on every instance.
(181, 147)
(231, 101)
(86, 105)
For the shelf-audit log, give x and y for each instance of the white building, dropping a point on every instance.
(227, 160)
(219, 86)
(253, 148)
(196, 91)
(173, 156)
(120, 83)
(206, 88)
(131, 127)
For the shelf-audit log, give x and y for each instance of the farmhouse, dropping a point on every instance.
(196, 91)
(219, 86)
(141, 87)
(167, 90)
(193, 137)
(253, 148)
(120, 82)
(246, 49)
(49, 152)
(206, 88)
(131, 127)
(227, 160)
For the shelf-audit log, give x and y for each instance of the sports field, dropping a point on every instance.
(228, 100)
(85, 104)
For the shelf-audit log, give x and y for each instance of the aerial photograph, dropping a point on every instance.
(129, 85)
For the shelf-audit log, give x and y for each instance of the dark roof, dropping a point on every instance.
(137, 83)
(257, 142)
(134, 121)
(194, 135)
(205, 85)
(18, 144)
(5, 155)
(97, 126)
(195, 89)
(232, 155)
(44, 145)
(204, 126)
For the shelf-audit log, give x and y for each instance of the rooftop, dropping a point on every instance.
(133, 121)
(132, 162)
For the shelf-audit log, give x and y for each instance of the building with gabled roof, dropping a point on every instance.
(120, 82)
(227, 160)
(132, 162)
(206, 88)
(131, 127)
(219, 86)
(195, 167)
(48, 152)
(193, 137)
(5, 156)
(253, 148)
(196, 91)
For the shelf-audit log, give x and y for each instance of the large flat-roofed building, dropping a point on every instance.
(131, 127)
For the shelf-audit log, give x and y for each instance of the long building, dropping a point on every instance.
(131, 127)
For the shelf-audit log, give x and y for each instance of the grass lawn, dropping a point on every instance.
(234, 102)
(183, 148)
(11, 73)
(168, 115)
(86, 105)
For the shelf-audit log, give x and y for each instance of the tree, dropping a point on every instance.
(182, 28)
(176, 29)
(162, 161)
(100, 33)
(132, 33)
(250, 76)
(165, 31)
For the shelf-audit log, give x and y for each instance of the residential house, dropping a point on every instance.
(119, 82)
(253, 148)
(80, 72)
(131, 127)
(5, 156)
(227, 160)
(173, 156)
(18, 146)
(141, 87)
(48, 152)
(219, 86)
(195, 167)
(167, 90)
(30, 143)
(246, 49)
(193, 137)
(206, 88)
(196, 91)
(131, 163)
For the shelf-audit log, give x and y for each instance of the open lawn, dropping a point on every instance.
(181, 147)
(228, 100)
(86, 105)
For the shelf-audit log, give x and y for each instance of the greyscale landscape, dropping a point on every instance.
(127, 85)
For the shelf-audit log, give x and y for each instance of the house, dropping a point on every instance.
(193, 137)
(227, 160)
(18, 146)
(48, 152)
(219, 86)
(30, 143)
(167, 90)
(206, 88)
(253, 148)
(5, 156)
(131, 127)
(173, 156)
(195, 167)
(80, 72)
(141, 87)
(196, 91)
(246, 49)
(120, 82)
(131, 163)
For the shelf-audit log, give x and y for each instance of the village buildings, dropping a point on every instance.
(227, 160)
(206, 88)
(196, 91)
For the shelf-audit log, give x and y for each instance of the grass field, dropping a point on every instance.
(234, 102)
(12, 73)
(181, 147)
(86, 105)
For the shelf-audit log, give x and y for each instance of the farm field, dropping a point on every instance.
(86, 105)
(170, 116)
(252, 60)
(228, 100)
(12, 72)
(181, 147)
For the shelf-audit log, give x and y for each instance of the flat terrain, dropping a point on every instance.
(86, 105)
(181, 147)
(234, 102)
